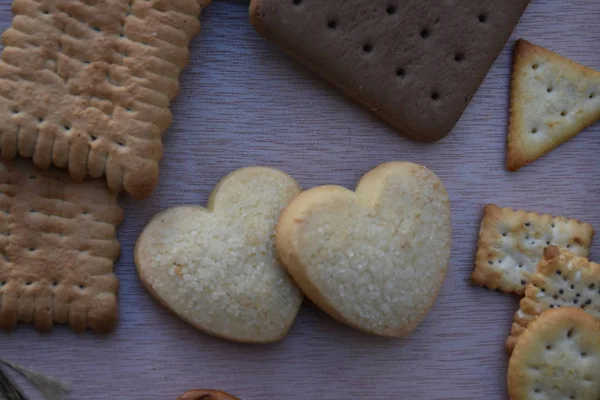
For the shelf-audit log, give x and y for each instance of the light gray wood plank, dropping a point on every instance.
(243, 102)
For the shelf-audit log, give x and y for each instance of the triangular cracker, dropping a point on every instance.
(552, 100)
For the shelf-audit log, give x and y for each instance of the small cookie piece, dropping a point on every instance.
(375, 258)
(562, 280)
(511, 244)
(557, 358)
(216, 268)
(552, 99)
(58, 244)
(87, 85)
(416, 63)
(204, 394)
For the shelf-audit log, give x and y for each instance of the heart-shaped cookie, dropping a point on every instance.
(216, 267)
(376, 258)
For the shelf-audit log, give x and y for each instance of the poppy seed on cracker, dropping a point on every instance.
(563, 279)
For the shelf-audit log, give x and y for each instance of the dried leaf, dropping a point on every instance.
(50, 388)
(8, 388)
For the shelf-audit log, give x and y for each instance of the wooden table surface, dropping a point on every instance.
(243, 102)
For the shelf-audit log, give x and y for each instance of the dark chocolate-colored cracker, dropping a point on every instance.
(415, 63)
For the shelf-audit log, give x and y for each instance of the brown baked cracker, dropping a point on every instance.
(58, 244)
(87, 85)
(415, 63)
(563, 279)
(552, 100)
(511, 244)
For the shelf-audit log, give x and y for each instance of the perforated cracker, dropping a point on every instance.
(557, 358)
(563, 280)
(57, 248)
(552, 100)
(87, 85)
(511, 244)
(415, 63)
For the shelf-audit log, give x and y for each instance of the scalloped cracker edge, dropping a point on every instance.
(58, 244)
(563, 280)
(87, 86)
(558, 357)
(552, 100)
(511, 244)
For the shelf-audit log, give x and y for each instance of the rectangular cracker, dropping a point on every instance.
(416, 64)
(511, 244)
(563, 279)
(58, 244)
(87, 85)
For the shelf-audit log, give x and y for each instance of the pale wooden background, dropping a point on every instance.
(245, 103)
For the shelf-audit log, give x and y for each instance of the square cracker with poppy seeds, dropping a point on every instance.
(563, 279)
(58, 244)
(87, 85)
(511, 244)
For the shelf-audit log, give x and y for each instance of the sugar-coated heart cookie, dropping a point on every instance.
(216, 267)
(376, 258)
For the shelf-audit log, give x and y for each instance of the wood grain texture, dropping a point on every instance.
(243, 102)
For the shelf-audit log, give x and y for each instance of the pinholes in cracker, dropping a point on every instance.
(87, 85)
(562, 280)
(216, 268)
(58, 243)
(552, 100)
(416, 64)
(375, 258)
(511, 244)
(557, 358)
